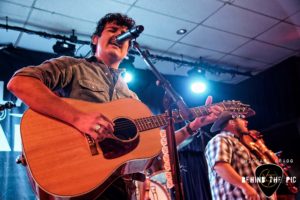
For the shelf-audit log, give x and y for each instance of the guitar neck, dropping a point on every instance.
(152, 122)
(148, 123)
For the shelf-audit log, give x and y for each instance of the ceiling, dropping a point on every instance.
(241, 35)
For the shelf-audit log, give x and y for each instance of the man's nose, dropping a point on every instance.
(119, 32)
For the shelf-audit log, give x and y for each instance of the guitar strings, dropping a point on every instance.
(145, 122)
(127, 126)
(148, 123)
(140, 126)
(142, 123)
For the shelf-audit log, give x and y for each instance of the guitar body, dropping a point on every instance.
(59, 158)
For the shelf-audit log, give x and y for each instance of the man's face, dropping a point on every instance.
(106, 47)
(241, 125)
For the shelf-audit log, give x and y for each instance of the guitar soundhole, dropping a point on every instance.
(126, 139)
(125, 129)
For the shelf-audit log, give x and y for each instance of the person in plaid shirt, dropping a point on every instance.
(229, 160)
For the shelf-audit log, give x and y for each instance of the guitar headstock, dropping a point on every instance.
(237, 108)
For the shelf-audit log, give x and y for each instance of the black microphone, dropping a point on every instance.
(130, 34)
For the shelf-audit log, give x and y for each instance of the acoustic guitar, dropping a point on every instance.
(64, 163)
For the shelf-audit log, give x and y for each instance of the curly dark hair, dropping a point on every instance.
(118, 18)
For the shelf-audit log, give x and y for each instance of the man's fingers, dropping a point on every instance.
(106, 119)
(106, 126)
(208, 100)
(216, 109)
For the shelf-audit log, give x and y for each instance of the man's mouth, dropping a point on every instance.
(114, 42)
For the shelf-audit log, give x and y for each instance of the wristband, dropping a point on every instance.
(189, 130)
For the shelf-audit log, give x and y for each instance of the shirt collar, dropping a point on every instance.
(231, 134)
(94, 59)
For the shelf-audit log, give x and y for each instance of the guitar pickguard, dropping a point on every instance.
(113, 148)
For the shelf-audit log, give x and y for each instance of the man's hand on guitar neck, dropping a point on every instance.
(214, 110)
(199, 122)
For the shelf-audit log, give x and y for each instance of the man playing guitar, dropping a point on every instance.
(96, 79)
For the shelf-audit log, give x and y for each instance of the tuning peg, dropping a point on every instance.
(288, 167)
(279, 154)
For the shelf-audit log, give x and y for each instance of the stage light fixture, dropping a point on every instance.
(64, 48)
(197, 79)
(181, 31)
(196, 72)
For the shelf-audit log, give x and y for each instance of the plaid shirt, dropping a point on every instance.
(226, 147)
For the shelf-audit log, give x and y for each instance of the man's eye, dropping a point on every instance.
(112, 30)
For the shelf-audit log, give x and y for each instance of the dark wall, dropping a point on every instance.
(275, 93)
(12, 59)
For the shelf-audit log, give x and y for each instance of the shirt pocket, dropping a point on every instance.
(92, 86)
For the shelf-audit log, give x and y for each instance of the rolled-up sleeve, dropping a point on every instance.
(218, 150)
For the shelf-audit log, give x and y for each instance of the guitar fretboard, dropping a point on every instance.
(148, 123)
(200, 111)
(152, 122)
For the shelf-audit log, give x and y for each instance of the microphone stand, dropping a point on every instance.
(173, 97)
(7, 105)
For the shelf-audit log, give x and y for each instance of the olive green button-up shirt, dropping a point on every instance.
(84, 79)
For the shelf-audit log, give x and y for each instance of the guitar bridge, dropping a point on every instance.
(92, 145)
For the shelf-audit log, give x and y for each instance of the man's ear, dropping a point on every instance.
(95, 39)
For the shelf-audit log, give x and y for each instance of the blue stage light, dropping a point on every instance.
(198, 87)
(128, 77)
